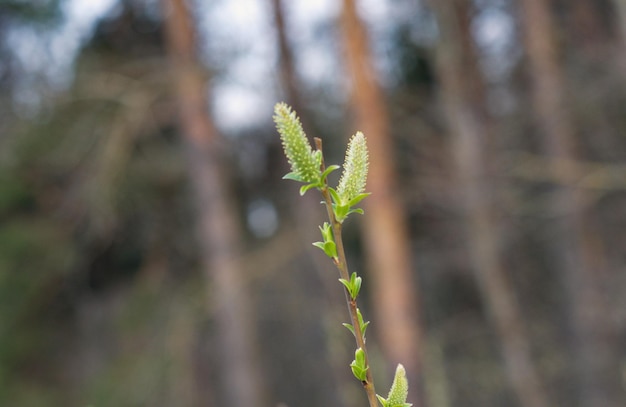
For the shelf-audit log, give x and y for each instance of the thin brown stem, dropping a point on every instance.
(342, 265)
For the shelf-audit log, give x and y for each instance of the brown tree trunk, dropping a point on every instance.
(464, 103)
(393, 284)
(218, 229)
(620, 8)
(588, 28)
(580, 262)
(288, 75)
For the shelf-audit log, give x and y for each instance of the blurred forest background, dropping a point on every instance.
(151, 255)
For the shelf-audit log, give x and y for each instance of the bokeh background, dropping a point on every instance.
(151, 255)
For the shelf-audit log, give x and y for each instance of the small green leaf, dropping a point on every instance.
(305, 188)
(327, 232)
(293, 176)
(330, 248)
(329, 169)
(328, 245)
(334, 195)
(363, 325)
(356, 210)
(353, 286)
(359, 366)
(359, 198)
(341, 212)
(358, 372)
(364, 328)
(346, 283)
(350, 328)
(319, 244)
(383, 401)
(359, 356)
(357, 285)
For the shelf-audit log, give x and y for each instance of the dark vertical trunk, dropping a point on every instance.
(589, 27)
(620, 22)
(463, 98)
(579, 261)
(289, 79)
(386, 236)
(217, 225)
(620, 7)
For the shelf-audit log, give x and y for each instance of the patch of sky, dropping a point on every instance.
(237, 43)
(46, 55)
(494, 30)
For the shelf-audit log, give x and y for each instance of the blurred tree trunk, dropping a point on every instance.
(288, 76)
(465, 105)
(575, 247)
(386, 235)
(589, 27)
(218, 229)
(620, 8)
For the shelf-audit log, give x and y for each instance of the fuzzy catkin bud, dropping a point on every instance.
(304, 164)
(399, 388)
(355, 167)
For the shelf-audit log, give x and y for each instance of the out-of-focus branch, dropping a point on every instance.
(582, 174)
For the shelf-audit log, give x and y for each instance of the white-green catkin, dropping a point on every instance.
(355, 167)
(399, 388)
(297, 148)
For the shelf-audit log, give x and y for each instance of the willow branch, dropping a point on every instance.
(342, 265)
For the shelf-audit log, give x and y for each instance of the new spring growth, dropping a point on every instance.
(305, 163)
(362, 324)
(307, 166)
(359, 365)
(351, 189)
(353, 285)
(328, 245)
(398, 392)
(355, 166)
